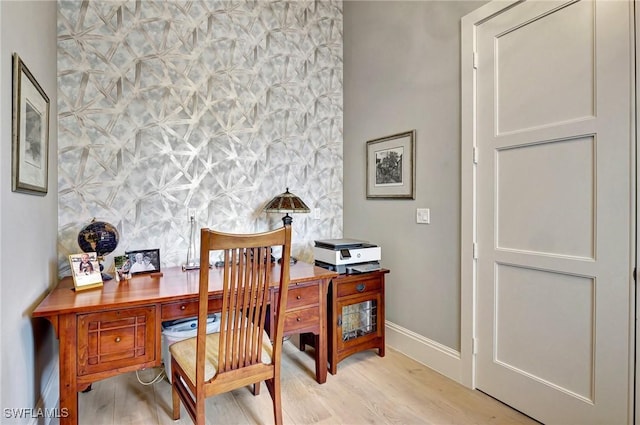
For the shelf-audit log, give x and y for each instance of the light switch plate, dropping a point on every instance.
(423, 216)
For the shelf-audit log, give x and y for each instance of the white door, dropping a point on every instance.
(554, 207)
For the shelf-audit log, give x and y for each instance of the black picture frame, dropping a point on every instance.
(30, 132)
(139, 262)
(391, 171)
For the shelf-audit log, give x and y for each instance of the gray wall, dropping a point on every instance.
(402, 72)
(217, 106)
(28, 223)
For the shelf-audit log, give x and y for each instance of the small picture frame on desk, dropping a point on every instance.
(122, 265)
(85, 271)
(144, 261)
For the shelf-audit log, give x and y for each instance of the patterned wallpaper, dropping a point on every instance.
(209, 105)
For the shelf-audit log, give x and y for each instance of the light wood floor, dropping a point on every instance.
(366, 390)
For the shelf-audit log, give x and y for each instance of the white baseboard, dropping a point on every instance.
(49, 400)
(432, 354)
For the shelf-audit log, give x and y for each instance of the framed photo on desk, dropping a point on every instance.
(144, 261)
(85, 271)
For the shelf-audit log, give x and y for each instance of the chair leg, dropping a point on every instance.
(256, 388)
(273, 385)
(176, 400)
(200, 417)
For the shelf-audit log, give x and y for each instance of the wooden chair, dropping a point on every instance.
(241, 353)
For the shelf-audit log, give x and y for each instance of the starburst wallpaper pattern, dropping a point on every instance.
(209, 105)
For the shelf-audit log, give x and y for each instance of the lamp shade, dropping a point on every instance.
(286, 202)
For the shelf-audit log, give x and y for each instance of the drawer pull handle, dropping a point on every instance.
(361, 287)
(298, 297)
(298, 319)
(183, 307)
(117, 339)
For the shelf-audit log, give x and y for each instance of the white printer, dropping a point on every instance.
(347, 255)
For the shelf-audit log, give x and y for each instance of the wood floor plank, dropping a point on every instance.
(100, 407)
(367, 389)
(135, 403)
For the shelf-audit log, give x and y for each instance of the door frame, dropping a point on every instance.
(468, 239)
(635, 394)
(468, 210)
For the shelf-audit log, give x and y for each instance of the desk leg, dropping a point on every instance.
(68, 379)
(321, 338)
(321, 358)
(319, 345)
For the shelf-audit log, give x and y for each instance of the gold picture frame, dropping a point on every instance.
(85, 270)
(30, 132)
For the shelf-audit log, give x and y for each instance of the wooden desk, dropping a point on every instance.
(117, 328)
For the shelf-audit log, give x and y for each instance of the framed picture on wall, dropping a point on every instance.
(30, 132)
(144, 261)
(391, 167)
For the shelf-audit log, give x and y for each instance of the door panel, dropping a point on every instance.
(554, 207)
(562, 359)
(563, 39)
(557, 215)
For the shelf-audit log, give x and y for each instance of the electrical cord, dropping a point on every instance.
(160, 375)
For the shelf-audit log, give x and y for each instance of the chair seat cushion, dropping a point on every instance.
(184, 352)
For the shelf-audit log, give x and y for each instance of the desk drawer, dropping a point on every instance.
(298, 297)
(357, 287)
(302, 296)
(182, 309)
(304, 320)
(116, 339)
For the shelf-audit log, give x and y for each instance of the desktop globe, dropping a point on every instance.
(99, 237)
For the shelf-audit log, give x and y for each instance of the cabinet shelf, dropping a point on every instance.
(358, 320)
